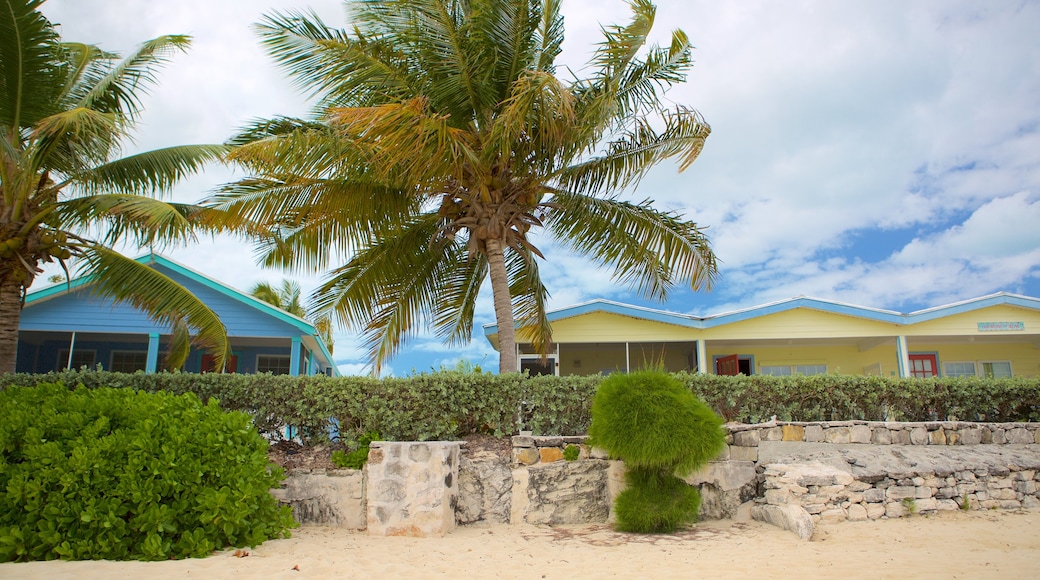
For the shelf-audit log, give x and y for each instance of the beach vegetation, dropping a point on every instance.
(118, 474)
(571, 452)
(68, 191)
(357, 458)
(652, 422)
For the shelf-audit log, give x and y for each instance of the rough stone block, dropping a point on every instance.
(919, 436)
(526, 455)
(485, 491)
(413, 491)
(788, 517)
(937, 437)
(900, 492)
(813, 433)
(743, 453)
(895, 510)
(317, 498)
(953, 438)
(550, 454)
(838, 435)
(875, 510)
(748, 438)
(1030, 502)
(860, 434)
(881, 436)
(901, 437)
(1019, 436)
(997, 436)
(598, 453)
(523, 441)
(922, 492)
(874, 496)
(928, 504)
(833, 516)
(725, 475)
(947, 505)
(792, 433)
(564, 492)
(857, 513)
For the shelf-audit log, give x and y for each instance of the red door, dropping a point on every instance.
(727, 365)
(208, 365)
(924, 366)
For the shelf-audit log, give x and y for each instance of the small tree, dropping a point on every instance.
(660, 430)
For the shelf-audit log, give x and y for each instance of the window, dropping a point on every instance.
(788, 370)
(996, 370)
(923, 366)
(959, 369)
(276, 365)
(80, 358)
(775, 370)
(128, 361)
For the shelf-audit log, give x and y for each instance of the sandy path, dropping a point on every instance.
(950, 545)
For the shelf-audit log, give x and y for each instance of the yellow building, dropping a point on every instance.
(996, 335)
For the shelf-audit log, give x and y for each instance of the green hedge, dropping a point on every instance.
(118, 474)
(450, 404)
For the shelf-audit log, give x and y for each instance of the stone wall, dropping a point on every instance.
(799, 474)
(334, 497)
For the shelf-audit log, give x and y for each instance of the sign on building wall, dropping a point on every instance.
(1001, 326)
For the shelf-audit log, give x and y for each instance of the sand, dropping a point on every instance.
(949, 545)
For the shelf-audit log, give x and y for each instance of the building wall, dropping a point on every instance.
(606, 327)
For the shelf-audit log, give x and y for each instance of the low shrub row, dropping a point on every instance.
(450, 404)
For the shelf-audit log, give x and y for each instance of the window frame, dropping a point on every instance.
(281, 357)
(982, 368)
(112, 360)
(63, 358)
(792, 370)
(974, 367)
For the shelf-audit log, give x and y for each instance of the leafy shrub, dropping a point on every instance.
(357, 458)
(571, 453)
(652, 422)
(119, 474)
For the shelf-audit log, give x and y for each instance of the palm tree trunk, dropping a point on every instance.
(10, 315)
(503, 306)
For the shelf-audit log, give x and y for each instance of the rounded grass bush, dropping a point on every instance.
(650, 419)
(652, 422)
(655, 502)
(118, 474)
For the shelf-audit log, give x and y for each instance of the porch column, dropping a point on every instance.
(294, 357)
(153, 353)
(628, 365)
(702, 358)
(903, 357)
(310, 362)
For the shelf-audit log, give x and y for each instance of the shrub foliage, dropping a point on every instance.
(659, 428)
(120, 474)
(450, 404)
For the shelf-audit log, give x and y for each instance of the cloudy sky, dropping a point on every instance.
(882, 153)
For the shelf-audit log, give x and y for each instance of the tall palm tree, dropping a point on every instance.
(65, 192)
(288, 297)
(445, 139)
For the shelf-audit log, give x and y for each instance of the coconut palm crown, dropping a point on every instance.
(66, 193)
(443, 141)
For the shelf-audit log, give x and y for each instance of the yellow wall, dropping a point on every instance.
(587, 359)
(967, 323)
(607, 327)
(801, 323)
(1025, 360)
(847, 360)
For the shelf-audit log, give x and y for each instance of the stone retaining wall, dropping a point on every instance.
(798, 473)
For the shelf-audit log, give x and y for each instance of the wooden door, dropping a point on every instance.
(728, 365)
(923, 366)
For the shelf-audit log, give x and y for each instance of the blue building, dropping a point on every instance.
(62, 327)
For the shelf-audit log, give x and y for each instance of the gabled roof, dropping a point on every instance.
(831, 306)
(300, 324)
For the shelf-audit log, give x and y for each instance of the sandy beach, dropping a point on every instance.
(948, 545)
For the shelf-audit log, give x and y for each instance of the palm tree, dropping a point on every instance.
(287, 296)
(445, 139)
(65, 192)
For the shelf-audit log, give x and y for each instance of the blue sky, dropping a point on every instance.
(883, 153)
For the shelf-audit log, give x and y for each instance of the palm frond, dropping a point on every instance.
(117, 88)
(146, 221)
(530, 298)
(125, 280)
(649, 249)
(632, 154)
(149, 173)
(31, 75)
